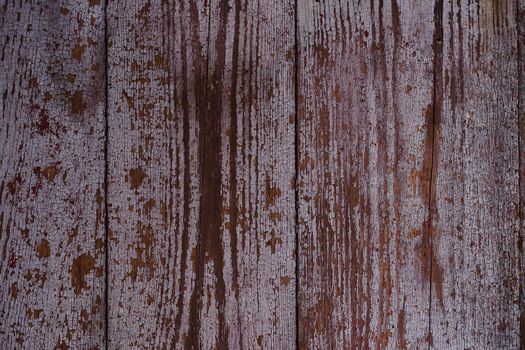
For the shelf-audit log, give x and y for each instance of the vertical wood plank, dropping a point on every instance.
(365, 146)
(201, 149)
(51, 175)
(475, 224)
(246, 257)
(157, 94)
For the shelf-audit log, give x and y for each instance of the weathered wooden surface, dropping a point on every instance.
(156, 93)
(201, 165)
(51, 175)
(475, 222)
(281, 174)
(365, 146)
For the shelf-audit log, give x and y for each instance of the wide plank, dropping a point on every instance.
(156, 95)
(365, 148)
(475, 221)
(201, 163)
(52, 121)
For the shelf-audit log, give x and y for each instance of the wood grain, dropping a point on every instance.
(365, 150)
(201, 149)
(280, 174)
(156, 93)
(475, 222)
(247, 261)
(51, 175)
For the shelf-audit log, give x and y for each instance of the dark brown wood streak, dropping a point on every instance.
(51, 175)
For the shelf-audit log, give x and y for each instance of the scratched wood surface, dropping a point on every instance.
(276, 174)
(365, 129)
(201, 164)
(51, 175)
(475, 221)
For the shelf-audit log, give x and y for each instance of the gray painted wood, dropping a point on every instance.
(365, 146)
(156, 89)
(475, 222)
(403, 122)
(51, 175)
(201, 168)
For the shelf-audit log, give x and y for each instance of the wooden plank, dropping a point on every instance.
(365, 150)
(156, 93)
(202, 207)
(475, 219)
(51, 175)
(247, 260)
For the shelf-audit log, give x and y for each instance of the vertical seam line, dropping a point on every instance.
(520, 167)
(296, 182)
(437, 60)
(106, 171)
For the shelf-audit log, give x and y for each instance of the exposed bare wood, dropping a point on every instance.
(365, 145)
(51, 175)
(475, 223)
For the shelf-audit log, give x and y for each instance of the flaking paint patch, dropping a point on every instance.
(77, 102)
(81, 266)
(271, 193)
(77, 52)
(42, 249)
(136, 177)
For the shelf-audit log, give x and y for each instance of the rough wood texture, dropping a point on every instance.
(51, 175)
(201, 149)
(475, 222)
(365, 148)
(282, 174)
(246, 276)
(156, 92)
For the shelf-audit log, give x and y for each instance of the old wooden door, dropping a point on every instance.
(277, 174)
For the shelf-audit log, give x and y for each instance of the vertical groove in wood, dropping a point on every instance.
(475, 226)
(520, 11)
(106, 173)
(365, 124)
(51, 175)
(437, 106)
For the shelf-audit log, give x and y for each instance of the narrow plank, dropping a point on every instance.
(475, 219)
(247, 257)
(51, 175)
(365, 149)
(201, 149)
(156, 95)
